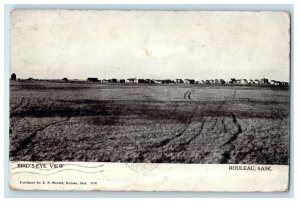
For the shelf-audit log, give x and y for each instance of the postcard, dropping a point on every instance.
(112, 100)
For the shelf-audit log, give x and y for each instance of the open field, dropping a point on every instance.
(56, 121)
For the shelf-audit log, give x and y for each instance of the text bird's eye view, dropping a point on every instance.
(150, 87)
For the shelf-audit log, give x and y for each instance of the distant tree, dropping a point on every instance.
(13, 77)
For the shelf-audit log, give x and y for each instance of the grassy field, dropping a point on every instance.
(57, 121)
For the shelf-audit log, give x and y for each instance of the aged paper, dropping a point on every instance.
(149, 100)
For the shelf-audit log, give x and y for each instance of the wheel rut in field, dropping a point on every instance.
(236, 134)
(224, 125)
(165, 142)
(227, 154)
(22, 104)
(26, 141)
(187, 143)
(183, 145)
(214, 124)
(13, 113)
(187, 94)
(211, 126)
(18, 105)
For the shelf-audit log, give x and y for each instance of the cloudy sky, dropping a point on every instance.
(123, 44)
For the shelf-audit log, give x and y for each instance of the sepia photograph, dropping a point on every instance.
(150, 87)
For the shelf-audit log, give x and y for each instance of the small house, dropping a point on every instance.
(233, 81)
(244, 81)
(141, 80)
(189, 81)
(207, 82)
(277, 83)
(285, 83)
(157, 81)
(222, 81)
(256, 81)
(132, 80)
(264, 81)
(251, 81)
(113, 80)
(167, 81)
(178, 81)
(149, 81)
(93, 79)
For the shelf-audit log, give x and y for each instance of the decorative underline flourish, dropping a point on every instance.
(57, 172)
(67, 164)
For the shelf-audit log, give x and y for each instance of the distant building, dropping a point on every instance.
(13, 77)
(251, 81)
(257, 81)
(93, 79)
(167, 81)
(157, 81)
(277, 83)
(285, 83)
(264, 81)
(272, 82)
(113, 80)
(132, 80)
(141, 80)
(207, 82)
(233, 81)
(122, 80)
(189, 81)
(178, 81)
(222, 81)
(149, 81)
(244, 81)
(65, 79)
